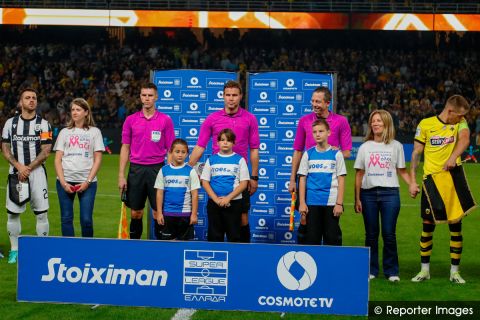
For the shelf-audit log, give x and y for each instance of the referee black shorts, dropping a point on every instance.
(141, 185)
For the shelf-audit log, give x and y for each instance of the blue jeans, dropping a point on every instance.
(87, 200)
(385, 203)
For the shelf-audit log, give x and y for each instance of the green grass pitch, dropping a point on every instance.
(106, 215)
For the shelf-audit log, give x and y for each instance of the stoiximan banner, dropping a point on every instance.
(199, 275)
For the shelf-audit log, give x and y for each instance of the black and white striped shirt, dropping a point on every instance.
(26, 137)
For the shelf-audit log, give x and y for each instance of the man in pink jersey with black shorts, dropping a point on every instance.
(146, 139)
(340, 136)
(245, 126)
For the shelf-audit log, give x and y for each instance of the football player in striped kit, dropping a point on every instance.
(26, 144)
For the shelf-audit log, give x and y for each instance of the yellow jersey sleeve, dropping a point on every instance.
(420, 133)
(462, 125)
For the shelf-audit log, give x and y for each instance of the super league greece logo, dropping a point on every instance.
(309, 270)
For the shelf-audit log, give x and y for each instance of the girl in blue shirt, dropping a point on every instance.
(177, 187)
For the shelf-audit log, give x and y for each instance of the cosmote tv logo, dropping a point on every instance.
(296, 283)
(288, 280)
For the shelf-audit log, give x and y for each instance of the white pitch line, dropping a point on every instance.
(184, 314)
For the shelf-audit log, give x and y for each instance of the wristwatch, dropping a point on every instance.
(255, 178)
(89, 181)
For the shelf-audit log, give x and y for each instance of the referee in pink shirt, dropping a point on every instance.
(340, 136)
(245, 126)
(146, 139)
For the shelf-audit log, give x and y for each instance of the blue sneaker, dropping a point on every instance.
(12, 257)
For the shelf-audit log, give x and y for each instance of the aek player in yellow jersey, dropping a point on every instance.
(442, 139)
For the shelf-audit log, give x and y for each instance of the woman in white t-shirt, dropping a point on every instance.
(79, 149)
(377, 196)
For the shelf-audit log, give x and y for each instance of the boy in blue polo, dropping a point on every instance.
(321, 187)
(224, 178)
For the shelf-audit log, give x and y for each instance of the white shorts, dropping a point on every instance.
(38, 193)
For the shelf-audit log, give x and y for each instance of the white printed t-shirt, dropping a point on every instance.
(380, 162)
(78, 146)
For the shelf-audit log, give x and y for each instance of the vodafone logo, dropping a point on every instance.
(193, 132)
(263, 146)
(263, 95)
(262, 171)
(263, 121)
(262, 197)
(289, 108)
(220, 94)
(305, 261)
(290, 83)
(167, 93)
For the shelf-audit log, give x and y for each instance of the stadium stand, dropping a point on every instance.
(407, 73)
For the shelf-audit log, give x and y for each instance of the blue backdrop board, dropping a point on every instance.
(199, 275)
(278, 100)
(188, 97)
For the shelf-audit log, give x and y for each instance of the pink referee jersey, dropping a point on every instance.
(149, 139)
(243, 124)
(341, 134)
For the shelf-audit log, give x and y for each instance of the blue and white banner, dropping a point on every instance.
(199, 275)
(188, 97)
(278, 100)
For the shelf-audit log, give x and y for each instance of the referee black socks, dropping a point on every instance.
(245, 234)
(302, 234)
(136, 228)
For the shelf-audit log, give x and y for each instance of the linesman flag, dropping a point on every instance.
(449, 196)
(292, 211)
(123, 232)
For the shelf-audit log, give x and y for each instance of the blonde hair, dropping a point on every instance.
(388, 129)
(458, 102)
(82, 103)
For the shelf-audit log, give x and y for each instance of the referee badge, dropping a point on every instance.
(156, 135)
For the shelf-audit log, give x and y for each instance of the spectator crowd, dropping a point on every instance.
(410, 74)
